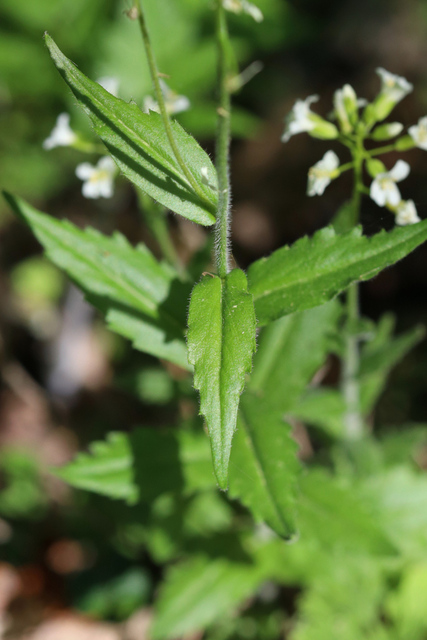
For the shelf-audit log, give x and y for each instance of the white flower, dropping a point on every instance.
(110, 84)
(303, 119)
(418, 133)
(61, 135)
(239, 6)
(395, 88)
(321, 174)
(300, 118)
(384, 190)
(174, 103)
(406, 213)
(97, 180)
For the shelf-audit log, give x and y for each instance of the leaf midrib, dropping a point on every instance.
(307, 279)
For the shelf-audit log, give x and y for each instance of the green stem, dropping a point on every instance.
(162, 106)
(223, 146)
(351, 362)
(386, 149)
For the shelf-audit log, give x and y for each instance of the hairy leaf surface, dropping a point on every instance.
(142, 299)
(314, 270)
(221, 342)
(139, 145)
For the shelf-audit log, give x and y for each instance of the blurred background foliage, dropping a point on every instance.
(65, 380)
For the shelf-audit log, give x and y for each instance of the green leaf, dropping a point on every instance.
(141, 299)
(314, 270)
(200, 591)
(264, 465)
(106, 469)
(142, 465)
(139, 145)
(221, 342)
(324, 408)
(290, 352)
(379, 357)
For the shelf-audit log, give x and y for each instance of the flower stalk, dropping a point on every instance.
(223, 145)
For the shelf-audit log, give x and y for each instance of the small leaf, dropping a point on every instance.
(314, 270)
(142, 299)
(139, 145)
(324, 408)
(221, 341)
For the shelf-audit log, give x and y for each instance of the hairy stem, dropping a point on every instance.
(351, 362)
(162, 106)
(223, 146)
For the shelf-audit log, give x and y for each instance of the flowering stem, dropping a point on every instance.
(351, 362)
(223, 145)
(162, 106)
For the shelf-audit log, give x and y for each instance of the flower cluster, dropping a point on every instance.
(355, 121)
(243, 6)
(98, 179)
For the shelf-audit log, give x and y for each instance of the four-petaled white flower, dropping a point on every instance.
(384, 190)
(393, 87)
(174, 103)
(97, 180)
(110, 84)
(406, 213)
(300, 119)
(321, 174)
(418, 133)
(239, 6)
(61, 135)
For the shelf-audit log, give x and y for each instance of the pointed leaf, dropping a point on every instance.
(141, 299)
(314, 270)
(142, 465)
(221, 341)
(264, 465)
(139, 145)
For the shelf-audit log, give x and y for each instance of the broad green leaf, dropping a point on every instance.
(264, 465)
(142, 299)
(198, 592)
(314, 270)
(143, 465)
(221, 342)
(139, 145)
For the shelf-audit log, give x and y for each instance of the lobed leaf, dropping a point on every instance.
(221, 342)
(314, 270)
(140, 147)
(142, 299)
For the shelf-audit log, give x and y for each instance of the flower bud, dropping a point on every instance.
(375, 167)
(387, 131)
